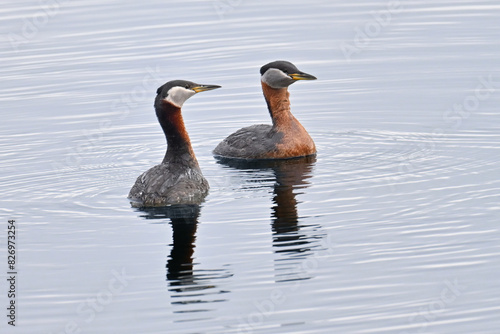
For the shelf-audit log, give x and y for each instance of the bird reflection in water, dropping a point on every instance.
(293, 238)
(192, 290)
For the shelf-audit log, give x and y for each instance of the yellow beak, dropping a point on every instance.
(202, 88)
(302, 76)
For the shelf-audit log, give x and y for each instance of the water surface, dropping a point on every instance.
(392, 228)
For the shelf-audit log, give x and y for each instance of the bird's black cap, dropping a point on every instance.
(282, 65)
(175, 83)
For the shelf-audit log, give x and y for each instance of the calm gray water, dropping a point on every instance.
(393, 228)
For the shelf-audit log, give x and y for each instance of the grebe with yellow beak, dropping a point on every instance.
(178, 179)
(286, 138)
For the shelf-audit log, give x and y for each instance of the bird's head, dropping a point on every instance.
(281, 74)
(177, 92)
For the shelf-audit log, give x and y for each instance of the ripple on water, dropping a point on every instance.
(360, 240)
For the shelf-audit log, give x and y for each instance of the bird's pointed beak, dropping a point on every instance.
(302, 76)
(202, 88)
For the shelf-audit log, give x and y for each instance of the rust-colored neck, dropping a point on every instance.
(179, 145)
(278, 104)
(294, 141)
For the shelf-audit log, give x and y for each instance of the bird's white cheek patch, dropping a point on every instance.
(276, 78)
(178, 95)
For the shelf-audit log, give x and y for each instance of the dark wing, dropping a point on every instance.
(161, 185)
(251, 142)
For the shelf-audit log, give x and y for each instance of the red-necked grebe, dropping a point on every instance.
(286, 138)
(178, 179)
